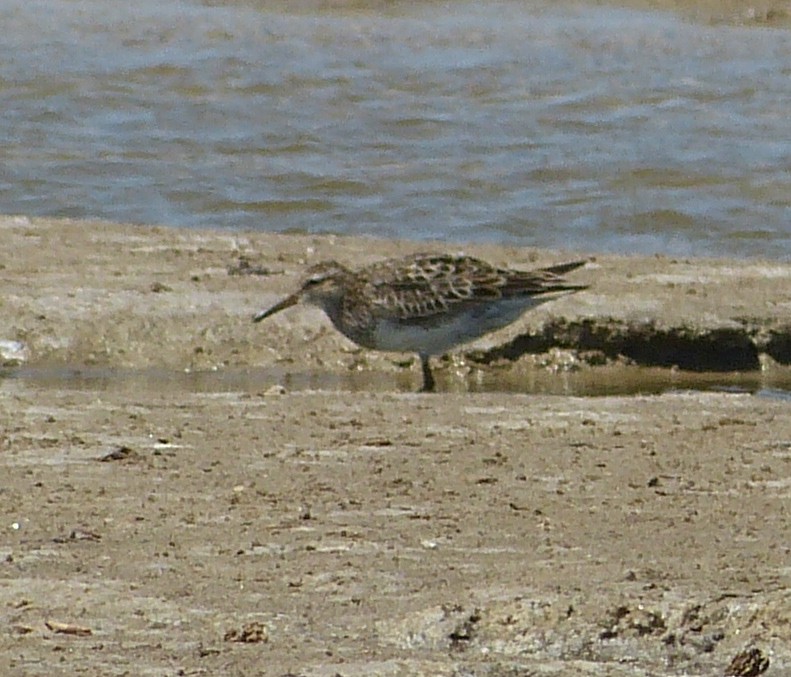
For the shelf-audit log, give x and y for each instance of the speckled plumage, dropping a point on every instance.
(424, 303)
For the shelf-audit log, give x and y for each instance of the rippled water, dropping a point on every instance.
(556, 124)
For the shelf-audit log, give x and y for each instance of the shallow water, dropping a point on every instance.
(617, 381)
(547, 124)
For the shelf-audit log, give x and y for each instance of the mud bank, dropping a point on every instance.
(76, 293)
(261, 530)
(382, 534)
(761, 13)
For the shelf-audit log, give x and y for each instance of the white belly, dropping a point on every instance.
(442, 333)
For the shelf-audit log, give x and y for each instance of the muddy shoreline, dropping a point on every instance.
(763, 13)
(261, 529)
(137, 297)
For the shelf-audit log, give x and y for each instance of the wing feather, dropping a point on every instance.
(430, 284)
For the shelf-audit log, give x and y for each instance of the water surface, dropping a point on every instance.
(599, 382)
(549, 124)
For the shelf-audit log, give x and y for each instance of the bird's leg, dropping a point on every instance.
(428, 378)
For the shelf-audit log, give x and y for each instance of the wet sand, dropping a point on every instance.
(742, 12)
(157, 530)
(760, 13)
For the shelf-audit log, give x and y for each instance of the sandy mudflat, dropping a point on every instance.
(743, 12)
(259, 530)
(746, 12)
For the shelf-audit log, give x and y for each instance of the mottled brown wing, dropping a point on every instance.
(421, 286)
(425, 285)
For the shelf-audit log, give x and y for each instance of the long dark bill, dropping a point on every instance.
(282, 305)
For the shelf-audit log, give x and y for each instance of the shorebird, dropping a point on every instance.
(424, 303)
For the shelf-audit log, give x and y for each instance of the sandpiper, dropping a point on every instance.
(424, 303)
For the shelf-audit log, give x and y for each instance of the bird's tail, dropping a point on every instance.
(563, 268)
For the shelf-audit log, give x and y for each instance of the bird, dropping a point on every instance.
(424, 303)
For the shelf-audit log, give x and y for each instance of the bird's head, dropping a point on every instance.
(322, 286)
